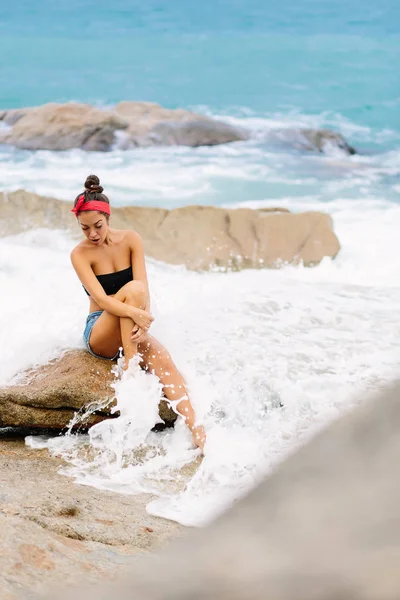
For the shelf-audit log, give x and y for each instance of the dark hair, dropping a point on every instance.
(93, 191)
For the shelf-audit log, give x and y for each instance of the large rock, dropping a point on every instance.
(73, 125)
(200, 237)
(152, 125)
(49, 396)
(62, 127)
(313, 140)
(53, 531)
(134, 124)
(324, 526)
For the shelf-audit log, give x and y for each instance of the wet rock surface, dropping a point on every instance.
(53, 531)
(49, 396)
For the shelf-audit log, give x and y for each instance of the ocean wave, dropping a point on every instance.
(172, 177)
(258, 123)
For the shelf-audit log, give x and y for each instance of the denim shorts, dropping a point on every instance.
(90, 321)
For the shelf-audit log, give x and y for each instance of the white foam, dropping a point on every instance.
(176, 176)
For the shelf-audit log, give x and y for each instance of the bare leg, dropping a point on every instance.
(157, 360)
(135, 296)
(109, 332)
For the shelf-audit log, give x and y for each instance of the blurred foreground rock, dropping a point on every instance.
(199, 237)
(49, 396)
(53, 531)
(324, 526)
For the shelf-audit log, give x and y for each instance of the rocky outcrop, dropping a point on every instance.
(53, 530)
(50, 396)
(62, 127)
(135, 124)
(323, 140)
(150, 124)
(324, 526)
(200, 237)
(312, 140)
(73, 125)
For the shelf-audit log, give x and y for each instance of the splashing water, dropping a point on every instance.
(124, 453)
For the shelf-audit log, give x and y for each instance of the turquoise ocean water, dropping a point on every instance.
(262, 56)
(311, 63)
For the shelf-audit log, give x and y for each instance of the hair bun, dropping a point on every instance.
(92, 184)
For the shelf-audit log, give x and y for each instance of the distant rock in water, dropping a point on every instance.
(72, 125)
(312, 140)
(140, 124)
(49, 396)
(200, 237)
(204, 132)
(61, 127)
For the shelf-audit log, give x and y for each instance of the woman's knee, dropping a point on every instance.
(134, 293)
(154, 355)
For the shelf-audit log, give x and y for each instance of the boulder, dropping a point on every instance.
(204, 132)
(143, 116)
(312, 140)
(49, 396)
(62, 127)
(200, 237)
(73, 125)
(323, 526)
(323, 140)
(134, 124)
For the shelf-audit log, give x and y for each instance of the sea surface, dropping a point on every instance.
(271, 357)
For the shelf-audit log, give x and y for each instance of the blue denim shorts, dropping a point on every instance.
(90, 321)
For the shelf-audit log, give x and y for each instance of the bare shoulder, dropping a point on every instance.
(133, 239)
(78, 251)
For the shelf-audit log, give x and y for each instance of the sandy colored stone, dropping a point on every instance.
(201, 132)
(53, 531)
(74, 125)
(50, 395)
(200, 237)
(62, 127)
(143, 116)
(151, 124)
(324, 526)
(133, 124)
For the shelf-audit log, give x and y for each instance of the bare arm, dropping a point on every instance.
(139, 264)
(89, 281)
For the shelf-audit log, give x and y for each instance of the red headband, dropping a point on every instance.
(99, 205)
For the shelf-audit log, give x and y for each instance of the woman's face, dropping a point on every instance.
(94, 225)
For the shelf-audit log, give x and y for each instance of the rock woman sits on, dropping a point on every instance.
(111, 266)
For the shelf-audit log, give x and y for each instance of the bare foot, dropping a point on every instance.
(199, 437)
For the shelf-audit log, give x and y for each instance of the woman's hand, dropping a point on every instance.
(137, 333)
(142, 318)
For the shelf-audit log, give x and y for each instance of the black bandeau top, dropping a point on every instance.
(113, 282)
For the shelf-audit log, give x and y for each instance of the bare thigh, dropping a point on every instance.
(105, 338)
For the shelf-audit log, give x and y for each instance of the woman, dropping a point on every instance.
(111, 266)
